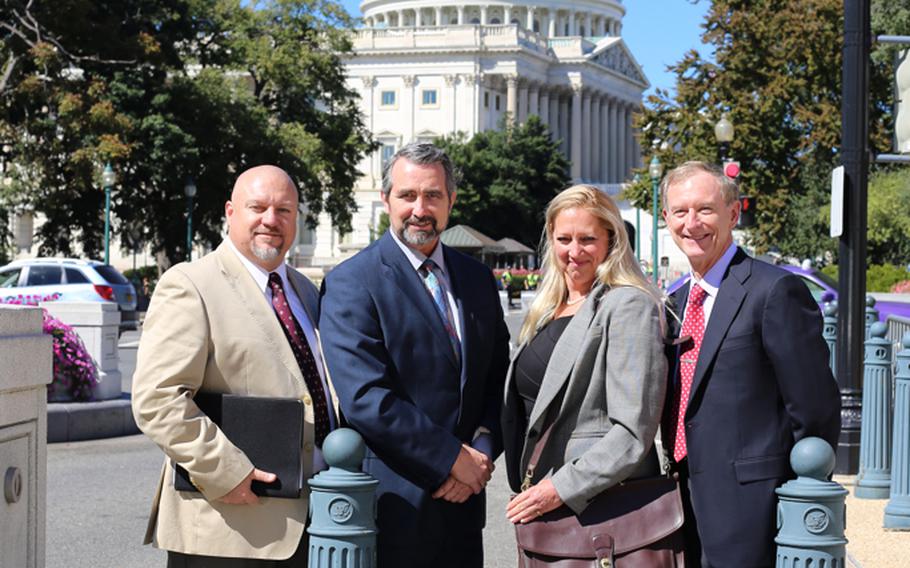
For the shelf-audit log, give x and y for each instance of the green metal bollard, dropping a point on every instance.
(829, 332)
(897, 512)
(871, 314)
(343, 506)
(811, 514)
(874, 479)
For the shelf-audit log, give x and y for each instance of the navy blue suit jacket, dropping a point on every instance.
(761, 383)
(400, 385)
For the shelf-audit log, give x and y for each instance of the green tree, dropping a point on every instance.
(889, 218)
(166, 89)
(508, 177)
(776, 72)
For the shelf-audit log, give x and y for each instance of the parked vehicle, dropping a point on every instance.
(823, 289)
(34, 280)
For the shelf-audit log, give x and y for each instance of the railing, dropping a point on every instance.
(451, 37)
(897, 327)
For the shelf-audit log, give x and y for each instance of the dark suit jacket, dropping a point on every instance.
(400, 385)
(761, 383)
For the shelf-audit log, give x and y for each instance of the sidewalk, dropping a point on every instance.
(868, 544)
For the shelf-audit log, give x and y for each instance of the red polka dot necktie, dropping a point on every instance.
(694, 327)
(304, 356)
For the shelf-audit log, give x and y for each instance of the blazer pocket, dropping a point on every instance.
(738, 341)
(765, 467)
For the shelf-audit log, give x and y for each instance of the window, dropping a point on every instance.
(74, 276)
(388, 99)
(10, 278)
(486, 99)
(497, 102)
(429, 98)
(386, 153)
(111, 274)
(44, 275)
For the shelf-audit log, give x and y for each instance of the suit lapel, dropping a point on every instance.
(730, 297)
(464, 303)
(251, 298)
(414, 291)
(562, 360)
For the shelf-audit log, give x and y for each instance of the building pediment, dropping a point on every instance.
(613, 54)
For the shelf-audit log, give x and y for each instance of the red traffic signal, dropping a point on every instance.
(731, 169)
(747, 211)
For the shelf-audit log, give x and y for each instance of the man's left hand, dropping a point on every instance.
(537, 500)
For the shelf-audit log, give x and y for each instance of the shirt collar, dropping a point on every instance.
(417, 258)
(710, 283)
(259, 274)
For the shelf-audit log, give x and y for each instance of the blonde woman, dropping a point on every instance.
(590, 363)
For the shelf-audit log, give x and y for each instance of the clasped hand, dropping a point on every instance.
(470, 473)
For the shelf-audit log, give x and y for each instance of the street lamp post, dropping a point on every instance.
(656, 169)
(637, 178)
(108, 179)
(723, 131)
(189, 189)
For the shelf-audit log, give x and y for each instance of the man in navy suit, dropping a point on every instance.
(417, 348)
(749, 376)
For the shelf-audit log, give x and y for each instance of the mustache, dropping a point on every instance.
(419, 220)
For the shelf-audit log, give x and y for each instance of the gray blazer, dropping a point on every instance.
(610, 364)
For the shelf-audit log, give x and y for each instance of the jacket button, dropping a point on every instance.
(307, 400)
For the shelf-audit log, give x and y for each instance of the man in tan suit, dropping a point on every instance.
(221, 324)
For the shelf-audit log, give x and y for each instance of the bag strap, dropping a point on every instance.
(535, 457)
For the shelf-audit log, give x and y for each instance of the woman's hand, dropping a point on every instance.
(528, 505)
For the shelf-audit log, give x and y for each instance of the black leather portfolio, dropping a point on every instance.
(268, 430)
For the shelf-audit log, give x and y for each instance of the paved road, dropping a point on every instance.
(99, 493)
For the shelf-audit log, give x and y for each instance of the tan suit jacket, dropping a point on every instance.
(210, 328)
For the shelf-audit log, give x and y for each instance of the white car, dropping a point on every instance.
(34, 280)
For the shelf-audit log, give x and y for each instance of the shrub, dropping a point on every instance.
(879, 277)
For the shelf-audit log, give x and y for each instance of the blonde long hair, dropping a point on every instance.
(619, 268)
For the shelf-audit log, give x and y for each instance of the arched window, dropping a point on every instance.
(475, 20)
(537, 26)
(495, 21)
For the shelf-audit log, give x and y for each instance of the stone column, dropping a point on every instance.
(460, 15)
(368, 94)
(586, 135)
(534, 100)
(545, 107)
(408, 103)
(622, 123)
(594, 175)
(604, 127)
(438, 16)
(472, 82)
(614, 141)
(483, 16)
(575, 153)
(418, 17)
(512, 97)
(573, 29)
(602, 27)
(530, 15)
(632, 156)
(588, 24)
(400, 18)
(26, 366)
(553, 123)
(552, 21)
(522, 102)
(564, 133)
(507, 15)
(451, 81)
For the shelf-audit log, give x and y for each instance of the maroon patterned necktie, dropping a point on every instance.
(304, 356)
(694, 327)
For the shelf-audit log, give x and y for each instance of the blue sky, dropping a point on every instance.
(658, 33)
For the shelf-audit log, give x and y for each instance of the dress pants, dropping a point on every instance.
(455, 549)
(298, 560)
(694, 557)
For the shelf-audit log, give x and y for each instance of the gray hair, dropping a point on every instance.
(729, 189)
(421, 153)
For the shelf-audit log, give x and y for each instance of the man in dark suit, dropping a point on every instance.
(749, 376)
(418, 349)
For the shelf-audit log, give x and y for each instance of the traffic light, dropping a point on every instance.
(747, 211)
(902, 103)
(731, 169)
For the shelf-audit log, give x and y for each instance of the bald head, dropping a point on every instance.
(262, 215)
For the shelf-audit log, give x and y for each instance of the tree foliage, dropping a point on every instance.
(508, 177)
(170, 89)
(774, 66)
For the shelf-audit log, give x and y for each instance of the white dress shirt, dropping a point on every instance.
(710, 283)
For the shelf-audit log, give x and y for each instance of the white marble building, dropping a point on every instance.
(426, 68)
